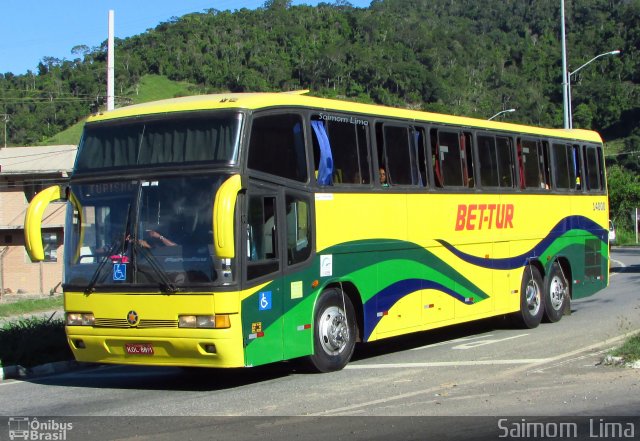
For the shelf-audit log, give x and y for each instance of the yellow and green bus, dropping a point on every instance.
(237, 230)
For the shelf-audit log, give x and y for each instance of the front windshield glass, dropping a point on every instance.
(156, 233)
(166, 140)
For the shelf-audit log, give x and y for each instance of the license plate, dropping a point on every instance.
(139, 348)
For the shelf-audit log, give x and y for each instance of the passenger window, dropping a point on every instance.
(397, 154)
(593, 165)
(262, 239)
(505, 155)
(534, 171)
(453, 163)
(562, 170)
(340, 151)
(277, 146)
(487, 155)
(298, 230)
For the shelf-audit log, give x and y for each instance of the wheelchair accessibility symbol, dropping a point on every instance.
(119, 272)
(265, 301)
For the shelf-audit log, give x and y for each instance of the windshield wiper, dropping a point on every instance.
(91, 287)
(169, 286)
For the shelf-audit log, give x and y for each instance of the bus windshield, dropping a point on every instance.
(167, 140)
(156, 233)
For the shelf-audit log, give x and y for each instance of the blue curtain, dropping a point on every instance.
(325, 168)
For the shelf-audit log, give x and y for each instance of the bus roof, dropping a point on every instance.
(254, 101)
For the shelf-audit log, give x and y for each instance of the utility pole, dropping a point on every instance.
(110, 64)
(5, 117)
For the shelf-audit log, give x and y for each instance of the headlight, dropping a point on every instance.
(204, 321)
(80, 319)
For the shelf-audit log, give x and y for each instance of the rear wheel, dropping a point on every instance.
(556, 294)
(334, 332)
(531, 303)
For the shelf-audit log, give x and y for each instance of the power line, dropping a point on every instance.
(622, 153)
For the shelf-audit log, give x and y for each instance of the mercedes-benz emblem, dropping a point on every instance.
(132, 318)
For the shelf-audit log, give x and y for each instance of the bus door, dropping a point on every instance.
(262, 306)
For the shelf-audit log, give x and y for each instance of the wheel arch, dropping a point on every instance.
(539, 266)
(565, 266)
(353, 293)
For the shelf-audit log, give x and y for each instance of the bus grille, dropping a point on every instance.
(122, 323)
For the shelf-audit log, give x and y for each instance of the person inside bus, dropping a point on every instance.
(383, 177)
(155, 240)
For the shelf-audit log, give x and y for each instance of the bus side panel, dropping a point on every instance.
(262, 323)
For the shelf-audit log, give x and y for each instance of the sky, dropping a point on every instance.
(33, 29)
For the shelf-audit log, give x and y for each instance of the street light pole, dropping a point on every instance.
(501, 112)
(568, 87)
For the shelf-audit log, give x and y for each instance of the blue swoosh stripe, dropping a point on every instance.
(389, 296)
(567, 224)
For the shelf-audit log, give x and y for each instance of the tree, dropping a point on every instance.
(624, 195)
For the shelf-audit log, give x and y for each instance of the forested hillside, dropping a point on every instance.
(456, 56)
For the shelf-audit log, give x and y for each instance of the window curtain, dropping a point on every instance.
(325, 168)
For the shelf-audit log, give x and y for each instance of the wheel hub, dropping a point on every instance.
(556, 293)
(533, 297)
(333, 331)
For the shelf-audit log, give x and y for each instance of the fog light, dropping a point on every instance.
(210, 348)
(79, 344)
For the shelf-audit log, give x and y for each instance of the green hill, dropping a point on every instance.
(149, 88)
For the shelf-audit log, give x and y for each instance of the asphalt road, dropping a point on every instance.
(484, 369)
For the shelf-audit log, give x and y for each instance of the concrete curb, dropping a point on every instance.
(58, 367)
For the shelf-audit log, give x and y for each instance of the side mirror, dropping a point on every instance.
(223, 217)
(33, 220)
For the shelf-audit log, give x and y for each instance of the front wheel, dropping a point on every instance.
(531, 303)
(334, 332)
(556, 294)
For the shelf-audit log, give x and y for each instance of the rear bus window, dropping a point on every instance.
(593, 168)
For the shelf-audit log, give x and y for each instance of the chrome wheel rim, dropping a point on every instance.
(533, 296)
(333, 330)
(556, 293)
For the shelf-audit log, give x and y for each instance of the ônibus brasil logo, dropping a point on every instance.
(33, 429)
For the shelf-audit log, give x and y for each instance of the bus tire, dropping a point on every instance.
(334, 332)
(556, 294)
(531, 298)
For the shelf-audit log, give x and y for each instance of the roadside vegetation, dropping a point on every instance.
(27, 306)
(629, 352)
(33, 341)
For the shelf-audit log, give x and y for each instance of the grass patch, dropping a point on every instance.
(33, 341)
(158, 87)
(27, 306)
(69, 136)
(630, 349)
